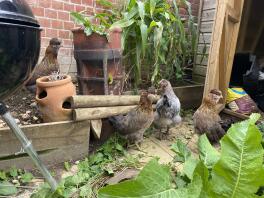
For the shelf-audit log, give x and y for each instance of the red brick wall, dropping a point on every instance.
(54, 18)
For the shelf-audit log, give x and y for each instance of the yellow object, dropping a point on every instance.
(234, 94)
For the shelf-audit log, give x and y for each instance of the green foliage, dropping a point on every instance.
(153, 181)
(104, 162)
(154, 36)
(237, 171)
(6, 189)
(105, 19)
(26, 177)
(11, 179)
(208, 154)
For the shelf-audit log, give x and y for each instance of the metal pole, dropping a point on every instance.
(27, 146)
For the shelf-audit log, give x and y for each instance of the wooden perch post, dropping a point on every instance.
(105, 101)
(100, 112)
(97, 113)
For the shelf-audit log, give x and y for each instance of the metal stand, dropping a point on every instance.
(27, 146)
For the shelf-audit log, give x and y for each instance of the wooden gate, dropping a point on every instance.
(223, 46)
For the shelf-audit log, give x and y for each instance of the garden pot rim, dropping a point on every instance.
(113, 30)
(43, 81)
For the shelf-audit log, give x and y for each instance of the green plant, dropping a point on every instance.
(154, 36)
(105, 19)
(234, 172)
(91, 171)
(11, 180)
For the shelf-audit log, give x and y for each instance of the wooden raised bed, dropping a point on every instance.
(54, 142)
(189, 93)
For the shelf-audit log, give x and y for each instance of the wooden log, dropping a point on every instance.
(100, 112)
(54, 142)
(105, 101)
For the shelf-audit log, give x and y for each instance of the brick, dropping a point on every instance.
(67, 42)
(51, 33)
(57, 24)
(79, 8)
(57, 5)
(64, 52)
(65, 16)
(52, 14)
(68, 7)
(38, 11)
(44, 3)
(45, 41)
(68, 25)
(76, 1)
(43, 33)
(87, 2)
(44, 22)
(64, 34)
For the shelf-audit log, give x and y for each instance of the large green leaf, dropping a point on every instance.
(153, 181)
(203, 172)
(184, 155)
(152, 6)
(239, 172)
(144, 37)
(208, 154)
(6, 189)
(141, 9)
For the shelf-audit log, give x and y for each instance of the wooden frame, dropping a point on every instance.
(223, 46)
(54, 142)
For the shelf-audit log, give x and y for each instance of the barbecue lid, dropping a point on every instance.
(17, 12)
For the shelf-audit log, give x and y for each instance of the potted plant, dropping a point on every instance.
(52, 97)
(97, 50)
(95, 32)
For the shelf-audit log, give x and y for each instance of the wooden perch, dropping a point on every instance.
(105, 101)
(100, 112)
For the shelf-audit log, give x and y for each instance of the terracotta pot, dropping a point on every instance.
(52, 98)
(96, 41)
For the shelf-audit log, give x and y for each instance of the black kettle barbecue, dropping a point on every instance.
(19, 53)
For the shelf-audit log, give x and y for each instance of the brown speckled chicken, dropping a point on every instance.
(133, 125)
(207, 120)
(47, 66)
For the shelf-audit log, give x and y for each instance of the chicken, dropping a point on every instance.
(168, 108)
(133, 125)
(47, 66)
(207, 120)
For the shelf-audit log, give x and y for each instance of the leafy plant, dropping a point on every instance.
(105, 19)
(236, 172)
(154, 36)
(103, 163)
(10, 180)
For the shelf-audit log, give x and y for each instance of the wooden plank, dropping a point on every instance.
(205, 38)
(197, 78)
(208, 15)
(207, 27)
(238, 115)
(200, 70)
(202, 60)
(54, 138)
(200, 49)
(209, 4)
